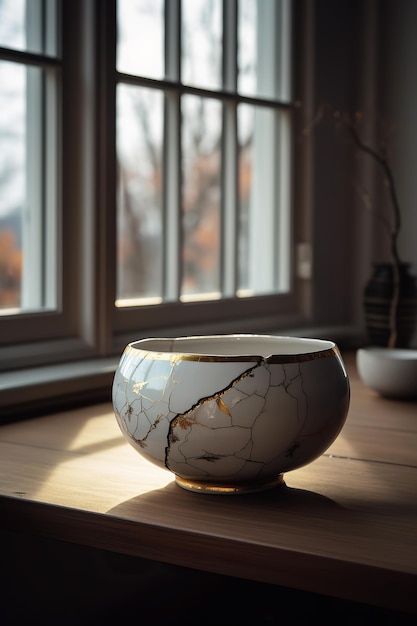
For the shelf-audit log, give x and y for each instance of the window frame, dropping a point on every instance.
(230, 314)
(89, 326)
(44, 323)
(42, 337)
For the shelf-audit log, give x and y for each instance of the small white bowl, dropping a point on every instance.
(392, 372)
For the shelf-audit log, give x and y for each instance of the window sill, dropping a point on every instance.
(28, 392)
(25, 393)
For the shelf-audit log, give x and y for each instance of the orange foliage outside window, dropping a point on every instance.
(10, 270)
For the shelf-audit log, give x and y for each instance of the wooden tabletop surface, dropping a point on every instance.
(345, 525)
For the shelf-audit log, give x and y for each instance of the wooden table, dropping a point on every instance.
(345, 526)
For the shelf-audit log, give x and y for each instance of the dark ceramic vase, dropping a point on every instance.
(377, 302)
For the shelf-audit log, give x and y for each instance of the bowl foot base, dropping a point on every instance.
(225, 489)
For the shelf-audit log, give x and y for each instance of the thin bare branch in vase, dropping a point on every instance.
(380, 157)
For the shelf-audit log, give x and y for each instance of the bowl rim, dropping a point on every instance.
(324, 348)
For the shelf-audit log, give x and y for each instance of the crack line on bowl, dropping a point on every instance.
(181, 418)
(245, 454)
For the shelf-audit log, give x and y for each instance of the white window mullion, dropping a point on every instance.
(173, 40)
(283, 144)
(230, 45)
(172, 198)
(52, 16)
(283, 193)
(52, 264)
(229, 161)
(172, 154)
(283, 77)
(230, 201)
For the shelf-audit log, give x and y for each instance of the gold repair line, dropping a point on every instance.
(181, 418)
(217, 395)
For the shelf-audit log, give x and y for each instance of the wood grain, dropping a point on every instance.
(344, 526)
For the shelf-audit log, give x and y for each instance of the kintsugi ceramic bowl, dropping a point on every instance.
(231, 413)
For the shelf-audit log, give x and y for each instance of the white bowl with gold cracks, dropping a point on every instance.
(230, 413)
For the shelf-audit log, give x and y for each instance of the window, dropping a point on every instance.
(145, 173)
(29, 71)
(205, 229)
(203, 125)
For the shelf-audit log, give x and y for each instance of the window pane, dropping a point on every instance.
(140, 43)
(27, 261)
(202, 123)
(22, 26)
(264, 48)
(202, 43)
(139, 193)
(247, 49)
(12, 181)
(12, 24)
(263, 201)
(209, 251)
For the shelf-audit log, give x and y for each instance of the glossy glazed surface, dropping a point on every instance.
(214, 417)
